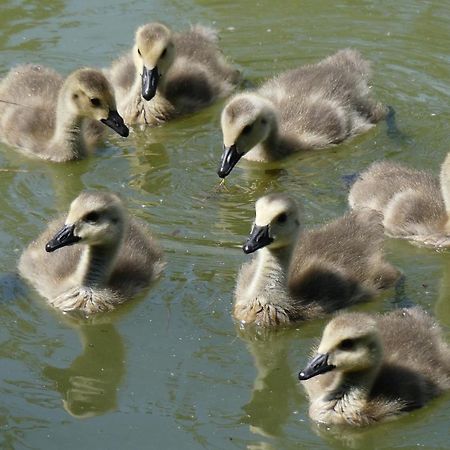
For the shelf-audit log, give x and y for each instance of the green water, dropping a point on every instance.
(172, 370)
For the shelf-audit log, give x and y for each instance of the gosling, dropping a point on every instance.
(374, 368)
(51, 118)
(181, 72)
(310, 107)
(414, 204)
(107, 258)
(301, 276)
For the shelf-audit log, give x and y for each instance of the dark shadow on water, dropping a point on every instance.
(350, 179)
(393, 132)
(401, 298)
(11, 287)
(247, 84)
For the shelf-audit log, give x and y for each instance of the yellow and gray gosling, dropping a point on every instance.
(372, 368)
(95, 258)
(51, 118)
(168, 74)
(306, 108)
(414, 204)
(305, 275)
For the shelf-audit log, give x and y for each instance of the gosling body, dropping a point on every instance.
(414, 204)
(299, 275)
(169, 74)
(373, 368)
(96, 258)
(310, 107)
(55, 119)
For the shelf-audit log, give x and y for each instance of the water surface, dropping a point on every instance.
(171, 369)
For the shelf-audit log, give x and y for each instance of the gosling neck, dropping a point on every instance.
(349, 393)
(271, 271)
(353, 385)
(68, 138)
(271, 145)
(134, 107)
(279, 145)
(96, 264)
(268, 149)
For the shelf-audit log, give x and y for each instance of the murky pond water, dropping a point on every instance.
(172, 370)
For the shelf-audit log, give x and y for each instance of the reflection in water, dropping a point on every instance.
(66, 184)
(275, 388)
(89, 386)
(346, 437)
(149, 166)
(442, 307)
(374, 436)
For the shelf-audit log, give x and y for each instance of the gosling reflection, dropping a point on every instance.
(66, 180)
(347, 437)
(275, 390)
(89, 386)
(149, 167)
(442, 305)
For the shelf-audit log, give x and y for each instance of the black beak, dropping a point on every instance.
(115, 121)
(62, 238)
(230, 157)
(319, 364)
(259, 238)
(149, 82)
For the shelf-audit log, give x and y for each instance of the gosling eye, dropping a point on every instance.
(247, 129)
(91, 217)
(95, 102)
(139, 53)
(164, 52)
(263, 121)
(281, 218)
(346, 344)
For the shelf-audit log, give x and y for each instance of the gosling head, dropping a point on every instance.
(276, 223)
(153, 54)
(246, 121)
(95, 218)
(91, 95)
(350, 343)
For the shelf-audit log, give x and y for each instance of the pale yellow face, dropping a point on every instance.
(97, 218)
(246, 121)
(280, 213)
(351, 342)
(91, 94)
(153, 48)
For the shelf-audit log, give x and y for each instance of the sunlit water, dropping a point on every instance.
(172, 370)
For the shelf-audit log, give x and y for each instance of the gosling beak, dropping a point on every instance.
(259, 238)
(230, 157)
(62, 238)
(319, 364)
(149, 82)
(115, 121)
